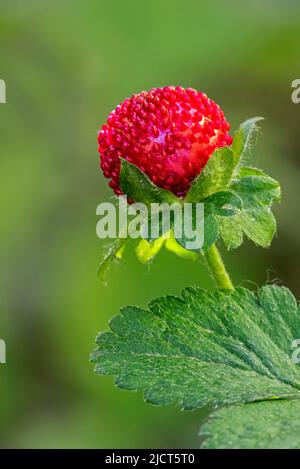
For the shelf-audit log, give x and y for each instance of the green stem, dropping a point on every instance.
(217, 268)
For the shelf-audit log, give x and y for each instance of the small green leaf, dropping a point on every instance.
(215, 176)
(139, 188)
(147, 251)
(257, 192)
(261, 425)
(205, 229)
(259, 225)
(114, 252)
(172, 245)
(218, 205)
(205, 348)
(242, 141)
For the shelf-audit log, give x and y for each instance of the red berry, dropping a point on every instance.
(169, 133)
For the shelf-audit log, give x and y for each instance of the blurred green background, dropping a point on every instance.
(66, 65)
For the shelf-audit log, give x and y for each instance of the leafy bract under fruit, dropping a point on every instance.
(237, 201)
(226, 170)
(221, 348)
(114, 252)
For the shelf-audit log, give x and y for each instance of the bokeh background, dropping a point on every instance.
(66, 64)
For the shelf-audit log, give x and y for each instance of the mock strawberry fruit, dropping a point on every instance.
(169, 133)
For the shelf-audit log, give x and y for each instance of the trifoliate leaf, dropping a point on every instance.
(261, 425)
(139, 188)
(257, 193)
(114, 251)
(220, 348)
(226, 175)
(214, 177)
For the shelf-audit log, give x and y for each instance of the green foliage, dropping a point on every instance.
(221, 348)
(139, 188)
(214, 177)
(263, 425)
(237, 201)
(226, 171)
(172, 245)
(225, 204)
(146, 251)
(243, 140)
(114, 252)
(49, 172)
(257, 192)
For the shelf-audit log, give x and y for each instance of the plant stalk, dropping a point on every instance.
(217, 268)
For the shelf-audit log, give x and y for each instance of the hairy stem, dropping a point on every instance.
(217, 268)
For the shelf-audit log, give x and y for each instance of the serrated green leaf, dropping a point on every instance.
(261, 425)
(114, 252)
(225, 173)
(204, 348)
(242, 141)
(259, 225)
(138, 187)
(257, 192)
(215, 176)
